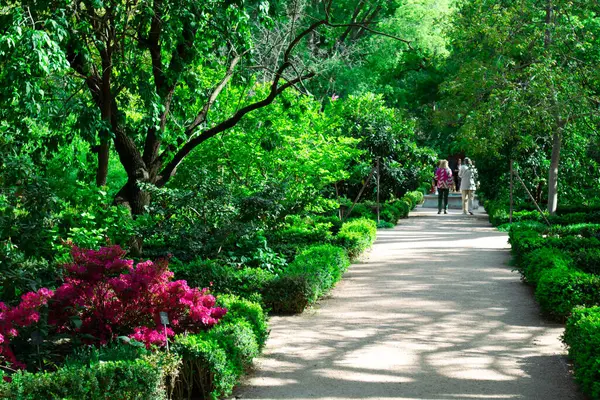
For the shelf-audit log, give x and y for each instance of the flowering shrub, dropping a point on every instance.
(105, 296)
(25, 314)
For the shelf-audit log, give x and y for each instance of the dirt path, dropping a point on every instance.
(434, 312)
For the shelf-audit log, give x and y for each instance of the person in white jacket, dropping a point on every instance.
(468, 185)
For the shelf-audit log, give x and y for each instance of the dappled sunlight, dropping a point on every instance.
(426, 316)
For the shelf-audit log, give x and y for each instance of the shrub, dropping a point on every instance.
(524, 225)
(140, 378)
(542, 259)
(314, 272)
(213, 361)
(581, 229)
(206, 372)
(402, 206)
(105, 296)
(249, 311)
(334, 221)
(524, 241)
(287, 294)
(582, 335)
(224, 278)
(588, 260)
(298, 233)
(392, 211)
(357, 236)
(323, 266)
(239, 342)
(559, 290)
(385, 225)
(416, 197)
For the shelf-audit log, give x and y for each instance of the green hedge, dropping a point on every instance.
(223, 278)
(498, 213)
(582, 335)
(249, 311)
(559, 290)
(524, 241)
(311, 275)
(300, 232)
(587, 260)
(541, 260)
(207, 372)
(142, 379)
(415, 198)
(205, 365)
(214, 361)
(357, 235)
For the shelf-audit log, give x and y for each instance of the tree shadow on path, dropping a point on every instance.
(433, 312)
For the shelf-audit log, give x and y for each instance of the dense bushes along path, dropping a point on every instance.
(434, 312)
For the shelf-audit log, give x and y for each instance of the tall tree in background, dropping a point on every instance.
(524, 75)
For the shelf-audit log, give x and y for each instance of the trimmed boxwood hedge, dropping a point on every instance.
(214, 361)
(559, 290)
(357, 235)
(140, 378)
(534, 264)
(582, 335)
(311, 275)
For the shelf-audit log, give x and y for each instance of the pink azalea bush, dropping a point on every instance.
(25, 314)
(105, 296)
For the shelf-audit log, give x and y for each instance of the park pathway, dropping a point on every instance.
(433, 312)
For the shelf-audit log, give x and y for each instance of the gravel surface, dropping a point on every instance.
(432, 312)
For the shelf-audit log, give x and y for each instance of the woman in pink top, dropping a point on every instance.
(443, 175)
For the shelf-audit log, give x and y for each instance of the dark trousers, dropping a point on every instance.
(443, 196)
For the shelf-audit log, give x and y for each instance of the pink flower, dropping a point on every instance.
(104, 296)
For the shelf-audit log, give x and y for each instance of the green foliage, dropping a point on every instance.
(239, 341)
(249, 311)
(534, 264)
(213, 361)
(415, 198)
(357, 236)
(385, 134)
(582, 335)
(322, 266)
(310, 276)
(297, 233)
(140, 378)
(385, 225)
(207, 371)
(501, 103)
(223, 278)
(559, 290)
(287, 294)
(587, 260)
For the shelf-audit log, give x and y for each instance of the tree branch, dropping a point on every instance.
(155, 48)
(201, 117)
(366, 28)
(169, 169)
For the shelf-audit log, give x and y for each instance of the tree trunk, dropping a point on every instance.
(553, 174)
(103, 155)
(133, 197)
(558, 122)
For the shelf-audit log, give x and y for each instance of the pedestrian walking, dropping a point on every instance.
(468, 185)
(443, 175)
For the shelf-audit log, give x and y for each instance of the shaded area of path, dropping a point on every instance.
(433, 312)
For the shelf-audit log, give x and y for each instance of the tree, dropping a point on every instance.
(523, 75)
(152, 71)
